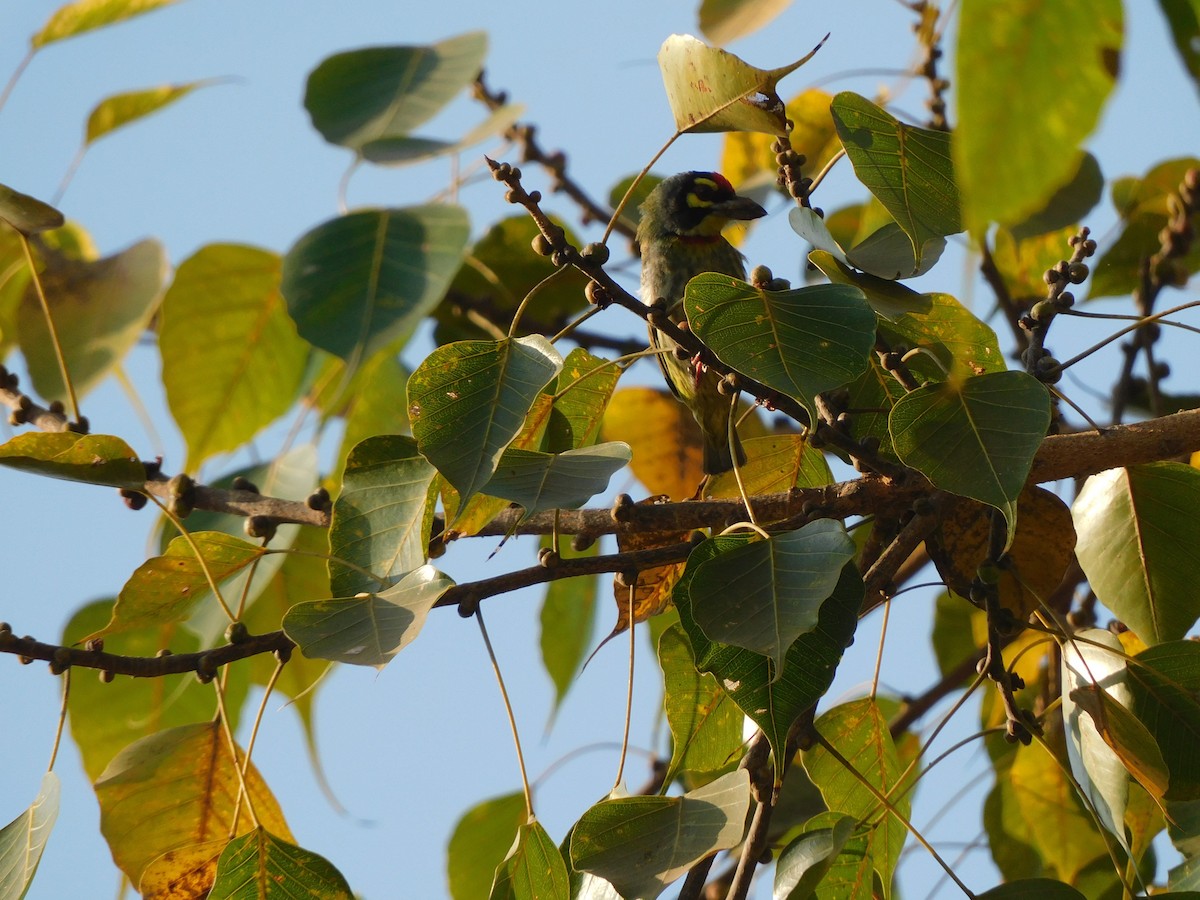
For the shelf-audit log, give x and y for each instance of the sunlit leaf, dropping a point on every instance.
(774, 464)
(246, 345)
(100, 309)
(120, 110)
(642, 844)
(24, 838)
(859, 732)
(379, 518)
(1165, 682)
(806, 860)
(540, 481)
(165, 588)
(106, 718)
(369, 629)
(259, 865)
(706, 726)
(652, 590)
(90, 458)
(1089, 670)
(975, 437)
(28, 215)
(907, 168)
(1069, 204)
(724, 21)
(713, 90)
(85, 15)
(1014, 149)
(534, 868)
(362, 281)
(177, 788)
(384, 92)
(664, 437)
(799, 342)
(481, 839)
(585, 386)
(763, 594)
(1138, 545)
(468, 400)
(748, 161)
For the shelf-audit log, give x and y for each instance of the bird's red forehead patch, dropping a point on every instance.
(722, 181)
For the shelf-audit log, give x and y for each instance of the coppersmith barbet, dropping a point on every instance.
(680, 237)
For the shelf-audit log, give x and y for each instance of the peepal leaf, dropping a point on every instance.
(642, 844)
(369, 629)
(86, 15)
(713, 90)
(166, 588)
(24, 838)
(1137, 543)
(259, 864)
(480, 842)
(540, 481)
(975, 437)
(378, 521)
(28, 215)
(468, 400)
(907, 168)
(90, 458)
(534, 868)
(120, 110)
(380, 93)
(1099, 771)
(723, 21)
(365, 280)
(806, 860)
(799, 342)
(764, 594)
(1014, 148)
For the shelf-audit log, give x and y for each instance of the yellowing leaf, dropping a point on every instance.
(176, 789)
(119, 110)
(713, 90)
(87, 15)
(723, 21)
(666, 440)
(748, 155)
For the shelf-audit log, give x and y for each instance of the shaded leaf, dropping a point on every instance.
(652, 591)
(24, 838)
(479, 843)
(642, 844)
(100, 309)
(1165, 682)
(713, 90)
(1014, 149)
(90, 458)
(1138, 542)
(260, 866)
(362, 281)
(1069, 204)
(763, 594)
(28, 215)
(975, 437)
(567, 618)
(907, 168)
(747, 159)
(246, 345)
(120, 110)
(774, 700)
(368, 629)
(175, 789)
(1042, 549)
(541, 481)
(706, 726)
(799, 342)
(805, 862)
(1032, 889)
(86, 15)
(1183, 16)
(379, 521)
(468, 400)
(400, 151)
(534, 868)
(384, 92)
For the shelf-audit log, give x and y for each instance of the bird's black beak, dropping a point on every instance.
(742, 208)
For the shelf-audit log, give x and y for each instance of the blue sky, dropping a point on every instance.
(408, 750)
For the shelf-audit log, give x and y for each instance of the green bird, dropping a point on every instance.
(680, 238)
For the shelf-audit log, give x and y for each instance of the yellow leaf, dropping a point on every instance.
(748, 156)
(666, 441)
(87, 15)
(712, 90)
(723, 21)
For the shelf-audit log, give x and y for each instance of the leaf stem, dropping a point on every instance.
(187, 536)
(629, 692)
(55, 342)
(62, 718)
(512, 720)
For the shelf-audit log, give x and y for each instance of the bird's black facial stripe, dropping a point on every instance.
(704, 193)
